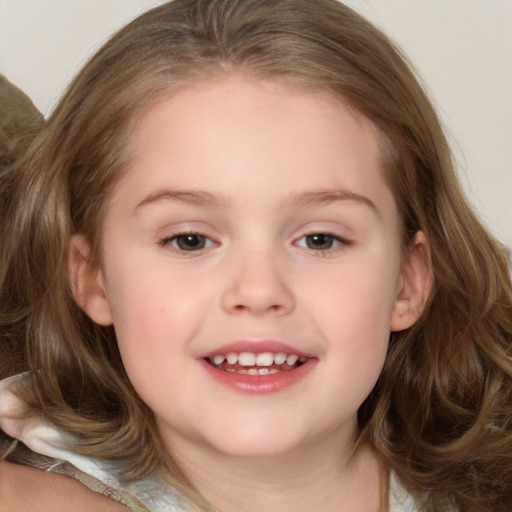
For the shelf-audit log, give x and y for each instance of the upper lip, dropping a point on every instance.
(256, 347)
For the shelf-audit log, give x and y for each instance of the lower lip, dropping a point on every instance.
(259, 384)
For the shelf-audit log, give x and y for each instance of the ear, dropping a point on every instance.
(415, 284)
(87, 283)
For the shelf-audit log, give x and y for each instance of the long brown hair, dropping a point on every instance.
(440, 416)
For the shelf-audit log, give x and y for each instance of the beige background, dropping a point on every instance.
(462, 48)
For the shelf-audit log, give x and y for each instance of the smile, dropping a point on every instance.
(257, 367)
(249, 363)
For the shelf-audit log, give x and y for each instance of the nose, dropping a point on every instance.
(256, 285)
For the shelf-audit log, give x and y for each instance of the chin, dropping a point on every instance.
(252, 442)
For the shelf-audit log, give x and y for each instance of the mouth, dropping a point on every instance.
(256, 364)
(258, 367)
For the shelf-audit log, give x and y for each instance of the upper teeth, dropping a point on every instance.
(261, 359)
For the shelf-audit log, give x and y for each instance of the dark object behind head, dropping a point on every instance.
(19, 121)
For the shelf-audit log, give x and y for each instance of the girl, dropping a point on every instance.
(238, 273)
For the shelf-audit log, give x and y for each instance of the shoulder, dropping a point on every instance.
(26, 489)
(41, 463)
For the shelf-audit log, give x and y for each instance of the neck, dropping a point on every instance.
(314, 478)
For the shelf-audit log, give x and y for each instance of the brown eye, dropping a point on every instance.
(319, 241)
(189, 242)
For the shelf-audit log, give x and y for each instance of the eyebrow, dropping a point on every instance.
(203, 198)
(192, 197)
(333, 196)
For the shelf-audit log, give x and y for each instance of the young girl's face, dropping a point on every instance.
(253, 267)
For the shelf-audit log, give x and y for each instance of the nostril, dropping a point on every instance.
(258, 309)
(257, 296)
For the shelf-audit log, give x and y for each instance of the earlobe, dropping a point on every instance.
(415, 285)
(87, 283)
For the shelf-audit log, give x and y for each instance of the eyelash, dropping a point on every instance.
(169, 242)
(334, 242)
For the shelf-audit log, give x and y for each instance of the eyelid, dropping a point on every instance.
(165, 241)
(340, 242)
(209, 241)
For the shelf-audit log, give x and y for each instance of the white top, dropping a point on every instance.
(44, 438)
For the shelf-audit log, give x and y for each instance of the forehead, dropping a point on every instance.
(229, 132)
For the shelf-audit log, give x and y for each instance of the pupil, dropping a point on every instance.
(319, 241)
(188, 242)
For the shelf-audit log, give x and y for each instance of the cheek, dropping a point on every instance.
(152, 339)
(150, 314)
(156, 314)
(356, 297)
(353, 317)
(148, 295)
(360, 328)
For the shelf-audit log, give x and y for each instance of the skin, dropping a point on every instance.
(264, 161)
(26, 489)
